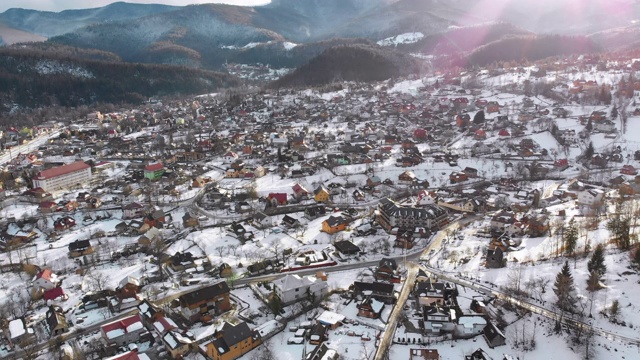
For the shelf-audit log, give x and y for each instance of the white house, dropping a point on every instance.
(229, 157)
(133, 210)
(18, 331)
(605, 126)
(63, 176)
(569, 136)
(591, 197)
(471, 325)
(293, 288)
(262, 220)
(438, 320)
(45, 280)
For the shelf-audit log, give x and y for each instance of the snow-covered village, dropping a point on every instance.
(480, 214)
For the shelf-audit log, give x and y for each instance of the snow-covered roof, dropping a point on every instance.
(134, 327)
(329, 317)
(293, 282)
(115, 333)
(16, 328)
(471, 321)
(376, 305)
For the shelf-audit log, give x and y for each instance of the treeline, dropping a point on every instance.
(32, 79)
(531, 48)
(350, 63)
(63, 52)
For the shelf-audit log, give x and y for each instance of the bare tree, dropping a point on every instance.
(97, 281)
(220, 250)
(263, 352)
(233, 248)
(275, 248)
(29, 349)
(514, 281)
(19, 302)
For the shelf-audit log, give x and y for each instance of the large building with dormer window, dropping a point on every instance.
(62, 177)
(392, 215)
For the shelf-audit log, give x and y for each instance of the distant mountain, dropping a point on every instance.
(192, 35)
(307, 33)
(463, 39)
(350, 63)
(567, 17)
(531, 48)
(9, 36)
(206, 36)
(315, 20)
(48, 24)
(621, 38)
(32, 77)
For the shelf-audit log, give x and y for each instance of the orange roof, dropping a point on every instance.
(62, 170)
(45, 274)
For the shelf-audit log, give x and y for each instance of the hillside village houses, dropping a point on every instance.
(318, 180)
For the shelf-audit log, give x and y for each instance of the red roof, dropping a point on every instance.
(297, 188)
(561, 162)
(166, 325)
(419, 133)
(121, 324)
(281, 198)
(154, 167)
(53, 294)
(62, 170)
(45, 274)
(47, 205)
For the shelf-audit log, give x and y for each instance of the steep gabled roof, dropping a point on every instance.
(204, 294)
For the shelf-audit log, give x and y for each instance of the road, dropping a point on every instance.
(411, 258)
(436, 243)
(390, 330)
(25, 148)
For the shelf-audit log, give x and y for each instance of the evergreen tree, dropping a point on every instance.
(593, 282)
(620, 229)
(479, 117)
(570, 238)
(275, 303)
(636, 257)
(596, 263)
(588, 153)
(564, 288)
(614, 310)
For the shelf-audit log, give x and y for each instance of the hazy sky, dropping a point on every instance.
(59, 5)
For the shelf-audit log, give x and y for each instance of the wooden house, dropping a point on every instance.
(232, 341)
(334, 224)
(206, 302)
